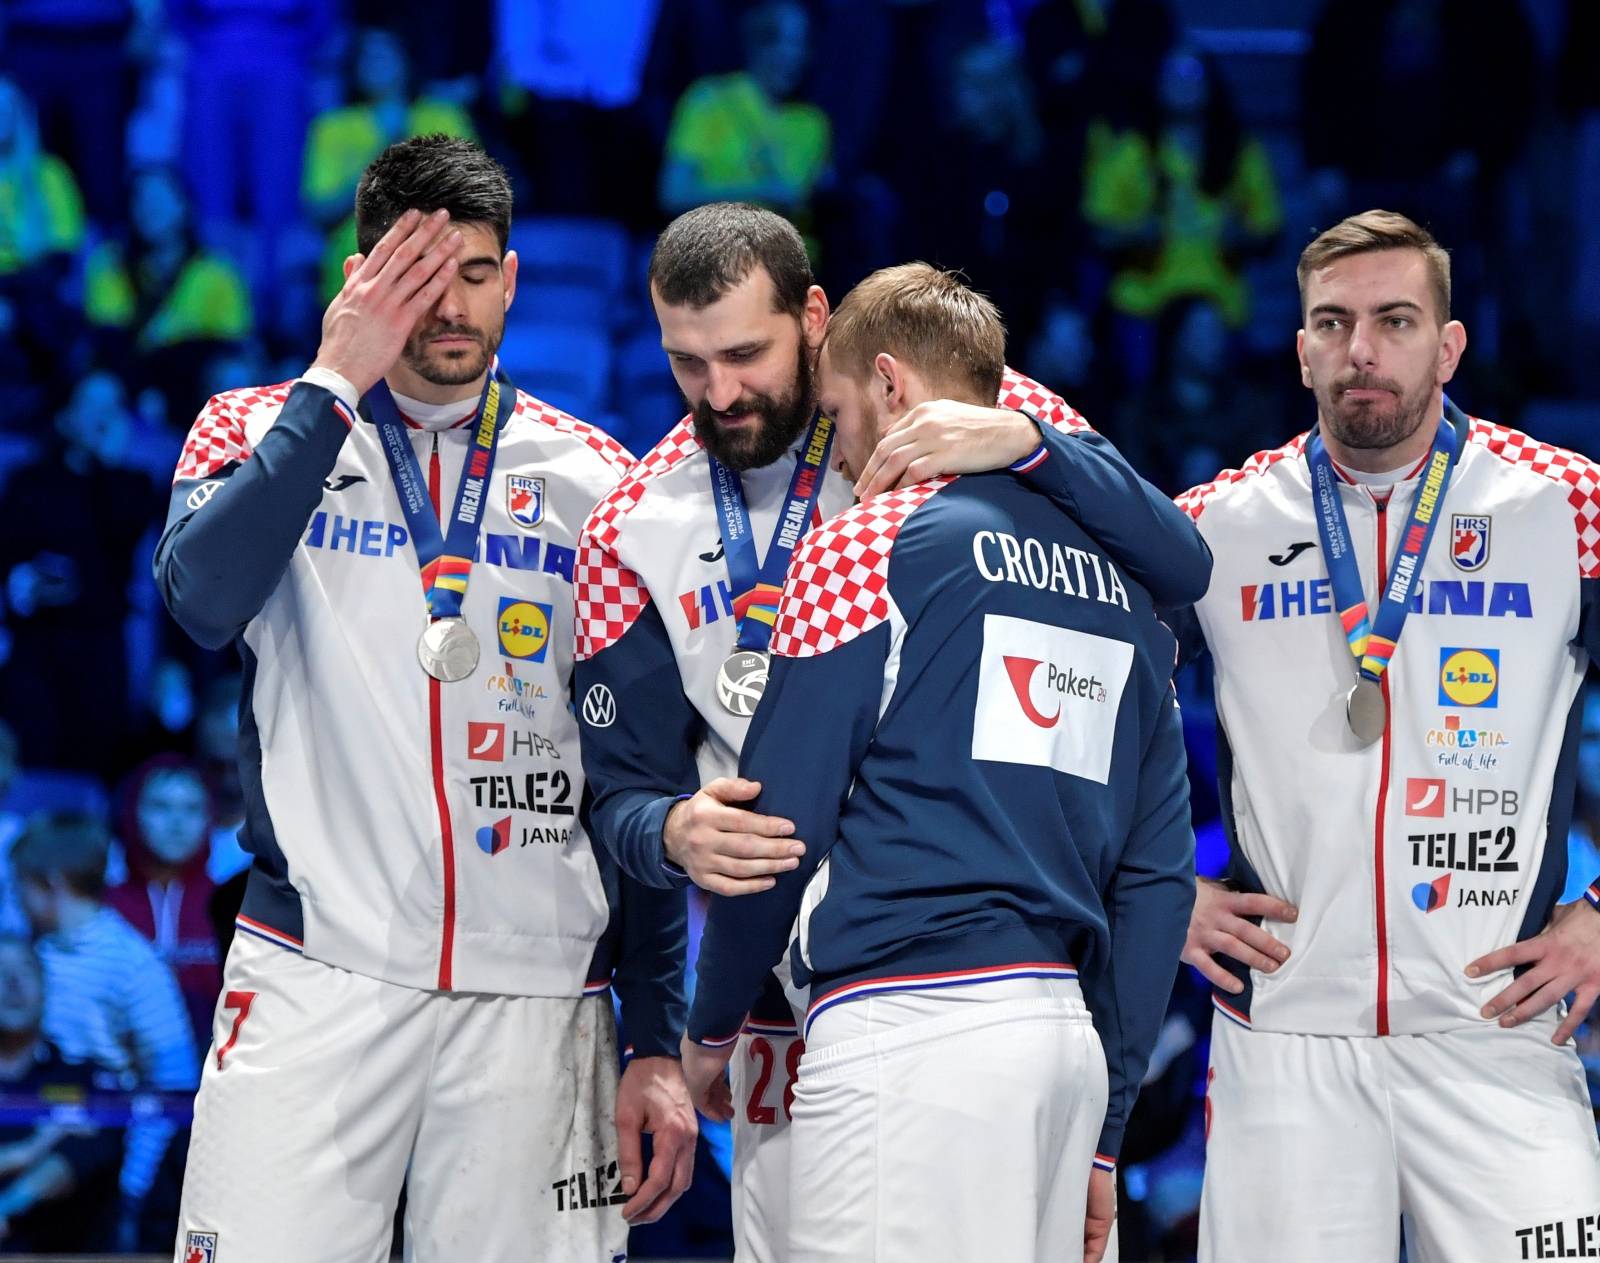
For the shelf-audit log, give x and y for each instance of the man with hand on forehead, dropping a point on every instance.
(418, 992)
(971, 722)
(1404, 604)
(679, 572)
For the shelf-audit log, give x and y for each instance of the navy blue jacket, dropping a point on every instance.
(970, 721)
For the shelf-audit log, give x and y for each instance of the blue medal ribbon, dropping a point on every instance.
(445, 560)
(1372, 640)
(758, 583)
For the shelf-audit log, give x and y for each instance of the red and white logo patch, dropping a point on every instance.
(1469, 541)
(1425, 796)
(486, 742)
(1048, 696)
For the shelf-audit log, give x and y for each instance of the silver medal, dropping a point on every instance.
(1366, 710)
(741, 680)
(448, 650)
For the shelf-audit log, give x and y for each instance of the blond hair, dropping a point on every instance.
(925, 317)
(1378, 230)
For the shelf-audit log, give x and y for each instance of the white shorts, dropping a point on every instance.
(1481, 1138)
(331, 1090)
(953, 1125)
(762, 1075)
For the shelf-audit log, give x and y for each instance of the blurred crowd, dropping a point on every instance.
(1131, 180)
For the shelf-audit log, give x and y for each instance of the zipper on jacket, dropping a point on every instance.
(1380, 882)
(436, 749)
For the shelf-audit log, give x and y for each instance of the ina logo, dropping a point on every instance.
(494, 838)
(524, 628)
(1430, 896)
(1021, 670)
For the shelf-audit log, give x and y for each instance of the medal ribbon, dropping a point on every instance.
(445, 559)
(757, 585)
(1373, 640)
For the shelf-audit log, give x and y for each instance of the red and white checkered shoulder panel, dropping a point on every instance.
(608, 595)
(1193, 501)
(617, 458)
(1022, 392)
(1579, 474)
(217, 437)
(836, 587)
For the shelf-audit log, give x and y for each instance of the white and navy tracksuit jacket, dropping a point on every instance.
(970, 721)
(430, 835)
(1447, 838)
(655, 613)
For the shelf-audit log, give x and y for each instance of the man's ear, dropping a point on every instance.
(813, 318)
(508, 276)
(889, 382)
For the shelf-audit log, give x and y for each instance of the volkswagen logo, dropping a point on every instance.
(599, 707)
(202, 494)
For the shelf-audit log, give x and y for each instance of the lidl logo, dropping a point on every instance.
(524, 629)
(1430, 896)
(1469, 677)
(494, 838)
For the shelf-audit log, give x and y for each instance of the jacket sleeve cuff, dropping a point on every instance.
(1593, 894)
(1110, 1147)
(335, 384)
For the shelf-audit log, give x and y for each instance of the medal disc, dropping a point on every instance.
(1366, 710)
(740, 682)
(448, 650)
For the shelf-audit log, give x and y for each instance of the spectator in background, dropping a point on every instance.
(1180, 207)
(166, 824)
(246, 126)
(108, 997)
(158, 302)
(58, 1184)
(216, 743)
(976, 203)
(41, 228)
(73, 525)
(342, 141)
(13, 920)
(41, 210)
(743, 136)
(71, 57)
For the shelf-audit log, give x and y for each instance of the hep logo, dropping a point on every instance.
(1424, 796)
(494, 838)
(1021, 672)
(486, 742)
(1430, 896)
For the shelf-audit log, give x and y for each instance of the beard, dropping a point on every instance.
(1368, 425)
(453, 367)
(782, 418)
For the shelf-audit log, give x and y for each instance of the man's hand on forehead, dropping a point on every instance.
(384, 295)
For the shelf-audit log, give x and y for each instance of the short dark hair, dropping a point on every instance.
(1378, 230)
(705, 252)
(71, 845)
(927, 318)
(430, 173)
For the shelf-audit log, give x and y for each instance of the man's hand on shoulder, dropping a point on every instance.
(1217, 926)
(943, 436)
(1563, 958)
(653, 1098)
(366, 325)
(726, 849)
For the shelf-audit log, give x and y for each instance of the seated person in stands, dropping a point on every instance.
(167, 894)
(108, 998)
(58, 1182)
